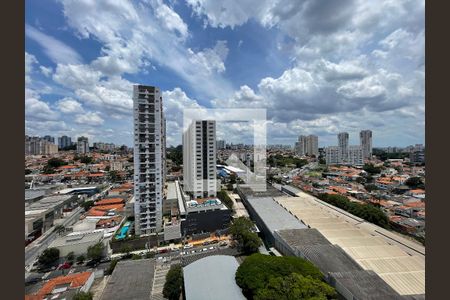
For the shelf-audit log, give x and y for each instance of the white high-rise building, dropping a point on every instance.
(355, 155)
(199, 159)
(82, 145)
(343, 146)
(332, 155)
(365, 137)
(149, 158)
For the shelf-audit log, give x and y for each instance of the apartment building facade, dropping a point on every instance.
(365, 137)
(149, 158)
(199, 159)
(82, 145)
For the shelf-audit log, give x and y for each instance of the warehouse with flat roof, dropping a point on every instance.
(399, 262)
(270, 216)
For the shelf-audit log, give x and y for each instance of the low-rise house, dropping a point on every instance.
(63, 287)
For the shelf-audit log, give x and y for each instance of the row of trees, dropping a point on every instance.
(242, 231)
(282, 161)
(367, 212)
(223, 196)
(265, 277)
(174, 283)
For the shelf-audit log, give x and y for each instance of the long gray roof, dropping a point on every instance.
(273, 215)
(212, 277)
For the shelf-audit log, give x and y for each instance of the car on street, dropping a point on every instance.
(223, 243)
(188, 246)
(205, 249)
(211, 248)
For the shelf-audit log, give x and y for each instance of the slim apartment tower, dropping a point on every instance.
(343, 147)
(82, 145)
(365, 137)
(149, 158)
(312, 145)
(199, 159)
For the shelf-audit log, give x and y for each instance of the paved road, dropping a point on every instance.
(39, 245)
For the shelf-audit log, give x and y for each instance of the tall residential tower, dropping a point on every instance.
(199, 159)
(365, 137)
(149, 158)
(343, 147)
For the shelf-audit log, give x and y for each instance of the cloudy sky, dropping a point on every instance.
(317, 66)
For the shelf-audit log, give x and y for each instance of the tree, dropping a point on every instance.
(174, 283)
(86, 159)
(242, 231)
(365, 211)
(223, 196)
(49, 256)
(256, 274)
(371, 187)
(80, 259)
(113, 176)
(415, 182)
(371, 169)
(295, 286)
(95, 252)
(56, 162)
(59, 229)
(82, 296)
(87, 205)
(70, 257)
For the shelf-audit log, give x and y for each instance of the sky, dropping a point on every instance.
(317, 66)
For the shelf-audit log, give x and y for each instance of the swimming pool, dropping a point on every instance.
(123, 231)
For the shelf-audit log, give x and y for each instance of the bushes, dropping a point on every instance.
(49, 256)
(286, 277)
(174, 283)
(223, 196)
(248, 241)
(367, 212)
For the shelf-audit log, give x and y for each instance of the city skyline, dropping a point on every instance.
(358, 70)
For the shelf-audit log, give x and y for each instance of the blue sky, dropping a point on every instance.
(318, 67)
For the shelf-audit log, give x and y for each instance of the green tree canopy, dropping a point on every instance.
(95, 252)
(80, 259)
(371, 169)
(415, 182)
(367, 212)
(295, 286)
(242, 231)
(174, 283)
(257, 276)
(83, 296)
(49, 256)
(70, 256)
(223, 196)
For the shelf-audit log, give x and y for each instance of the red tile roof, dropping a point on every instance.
(75, 280)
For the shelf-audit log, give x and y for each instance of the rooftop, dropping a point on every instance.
(76, 238)
(273, 215)
(131, 279)
(212, 277)
(398, 261)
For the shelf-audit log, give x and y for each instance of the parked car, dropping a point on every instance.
(92, 263)
(64, 266)
(214, 242)
(223, 243)
(211, 248)
(204, 249)
(188, 246)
